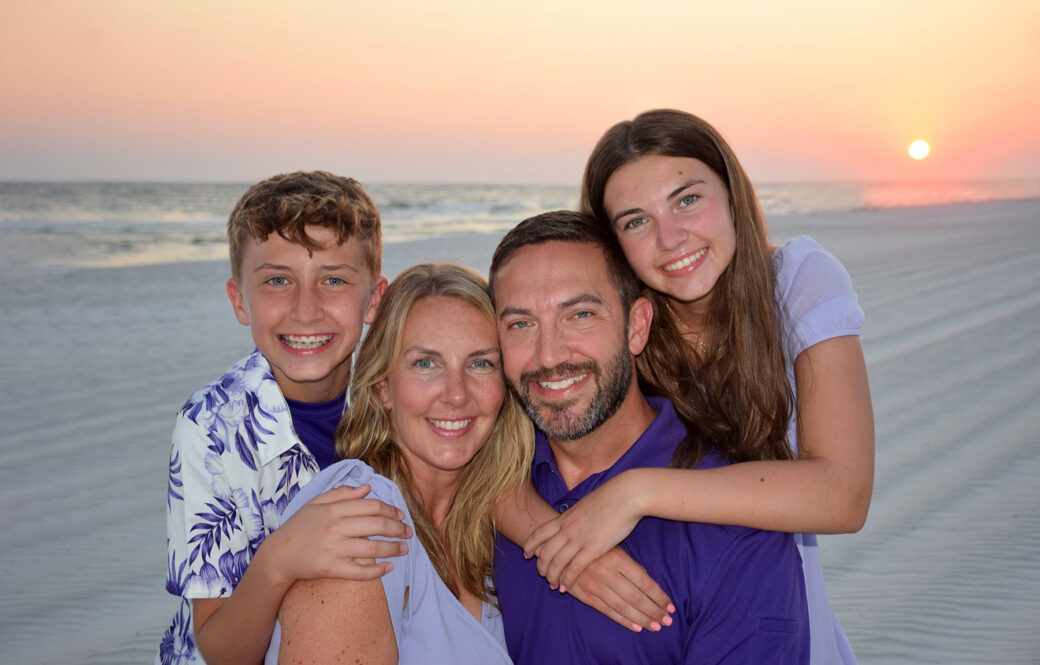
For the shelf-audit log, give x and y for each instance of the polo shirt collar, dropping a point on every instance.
(654, 448)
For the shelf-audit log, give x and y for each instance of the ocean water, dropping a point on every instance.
(85, 224)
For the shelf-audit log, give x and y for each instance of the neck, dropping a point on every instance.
(435, 492)
(692, 315)
(597, 451)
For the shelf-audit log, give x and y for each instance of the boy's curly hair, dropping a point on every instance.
(287, 203)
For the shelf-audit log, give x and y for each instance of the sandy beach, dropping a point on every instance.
(946, 569)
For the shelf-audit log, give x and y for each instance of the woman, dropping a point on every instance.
(432, 429)
(757, 346)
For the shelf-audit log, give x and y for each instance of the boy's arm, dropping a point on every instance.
(208, 540)
(322, 539)
(614, 583)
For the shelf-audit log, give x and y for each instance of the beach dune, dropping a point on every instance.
(98, 361)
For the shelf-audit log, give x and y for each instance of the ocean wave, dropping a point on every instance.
(91, 224)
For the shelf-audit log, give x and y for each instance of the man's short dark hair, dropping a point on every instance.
(569, 226)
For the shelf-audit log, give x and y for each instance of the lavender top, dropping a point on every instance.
(819, 303)
(433, 627)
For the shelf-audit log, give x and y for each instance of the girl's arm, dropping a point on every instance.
(323, 539)
(826, 490)
(613, 583)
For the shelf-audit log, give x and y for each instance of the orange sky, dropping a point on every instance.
(454, 91)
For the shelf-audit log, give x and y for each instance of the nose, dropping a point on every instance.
(670, 233)
(455, 391)
(307, 308)
(551, 347)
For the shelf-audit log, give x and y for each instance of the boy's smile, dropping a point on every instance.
(306, 310)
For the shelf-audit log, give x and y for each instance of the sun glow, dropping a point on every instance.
(919, 149)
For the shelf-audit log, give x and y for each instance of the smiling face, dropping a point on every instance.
(306, 311)
(446, 389)
(672, 218)
(566, 343)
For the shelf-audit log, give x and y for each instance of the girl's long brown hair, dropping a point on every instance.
(466, 541)
(735, 397)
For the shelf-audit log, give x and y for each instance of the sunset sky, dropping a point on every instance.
(468, 91)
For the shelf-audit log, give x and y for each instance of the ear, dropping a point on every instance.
(384, 394)
(639, 319)
(374, 299)
(238, 301)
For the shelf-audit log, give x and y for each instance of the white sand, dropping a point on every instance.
(946, 569)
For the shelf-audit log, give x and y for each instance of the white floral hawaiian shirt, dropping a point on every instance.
(235, 463)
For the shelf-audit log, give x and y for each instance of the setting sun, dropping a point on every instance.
(919, 149)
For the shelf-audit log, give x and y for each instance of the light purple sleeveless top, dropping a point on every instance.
(433, 627)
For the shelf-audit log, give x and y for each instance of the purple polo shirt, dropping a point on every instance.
(739, 593)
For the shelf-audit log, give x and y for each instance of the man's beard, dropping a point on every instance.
(555, 420)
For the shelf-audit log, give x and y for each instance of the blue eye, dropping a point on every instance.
(519, 325)
(483, 363)
(336, 281)
(688, 200)
(635, 223)
(277, 280)
(423, 363)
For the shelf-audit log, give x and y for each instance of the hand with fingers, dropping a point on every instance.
(616, 585)
(327, 536)
(569, 543)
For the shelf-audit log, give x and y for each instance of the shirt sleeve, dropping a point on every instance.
(817, 296)
(207, 540)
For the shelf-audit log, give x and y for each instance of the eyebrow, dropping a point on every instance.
(513, 311)
(579, 299)
(490, 351)
(322, 268)
(673, 194)
(334, 267)
(571, 302)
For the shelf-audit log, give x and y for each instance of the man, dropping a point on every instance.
(571, 323)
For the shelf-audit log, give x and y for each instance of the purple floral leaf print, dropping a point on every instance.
(245, 451)
(175, 577)
(175, 484)
(233, 565)
(213, 527)
(293, 461)
(178, 642)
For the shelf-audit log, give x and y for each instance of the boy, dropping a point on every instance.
(305, 253)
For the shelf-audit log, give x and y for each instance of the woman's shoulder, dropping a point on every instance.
(353, 473)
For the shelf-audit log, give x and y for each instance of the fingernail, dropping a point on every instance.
(667, 620)
(563, 589)
(552, 587)
(637, 628)
(671, 608)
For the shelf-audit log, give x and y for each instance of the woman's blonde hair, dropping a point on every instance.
(467, 536)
